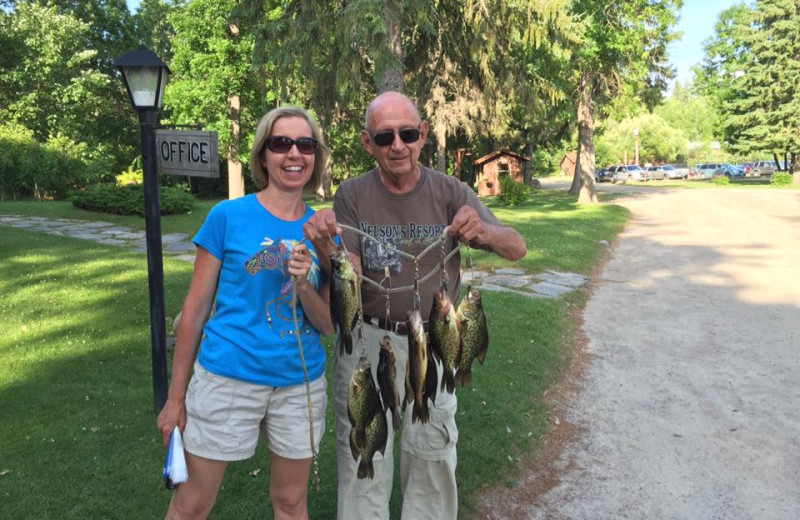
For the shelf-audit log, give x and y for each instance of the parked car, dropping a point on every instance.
(763, 168)
(671, 172)
(708, 170)
(604, 175)
(684, 171)
(656, 173)
(628, 172)
(732, 172)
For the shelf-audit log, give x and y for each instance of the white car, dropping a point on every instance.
(628, 172)
(657, 173)
(672, 172)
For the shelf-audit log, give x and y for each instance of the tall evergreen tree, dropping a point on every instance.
(725, 62)
(768, 110)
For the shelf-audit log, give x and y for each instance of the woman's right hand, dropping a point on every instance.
(173, 414)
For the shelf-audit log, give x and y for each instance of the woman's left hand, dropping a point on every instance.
(299, 262)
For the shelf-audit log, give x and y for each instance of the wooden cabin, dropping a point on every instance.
(493, 166)
(568, 163)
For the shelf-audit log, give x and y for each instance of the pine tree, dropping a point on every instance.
(768, 110)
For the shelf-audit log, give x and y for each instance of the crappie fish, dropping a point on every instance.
(421, 370)
(474, 335)
(445, 337)
(387, 380)
(363, 403)
(377, 433)
(345, 298)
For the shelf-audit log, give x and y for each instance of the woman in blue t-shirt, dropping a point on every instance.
(255, 366)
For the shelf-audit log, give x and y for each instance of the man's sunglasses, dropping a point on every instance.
(281, 144)
(409, 135)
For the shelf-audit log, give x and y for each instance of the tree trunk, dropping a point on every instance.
(324, 190)
(583, 181)
(391, 79)
(459, 161)
(440, 130)
(575, 187)
(235, 177)
(526, 173)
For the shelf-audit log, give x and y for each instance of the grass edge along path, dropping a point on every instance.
(76, 392)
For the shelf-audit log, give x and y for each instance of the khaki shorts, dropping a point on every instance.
(224, 416)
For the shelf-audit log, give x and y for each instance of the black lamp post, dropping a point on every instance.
(145, 76)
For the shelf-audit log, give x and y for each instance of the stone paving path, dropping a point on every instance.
(549, 284)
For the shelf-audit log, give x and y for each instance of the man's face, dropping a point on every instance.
(394, 116)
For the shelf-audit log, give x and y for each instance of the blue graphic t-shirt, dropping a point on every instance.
(251, 336)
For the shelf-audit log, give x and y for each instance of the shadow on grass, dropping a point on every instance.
(76, 391)
(560, 234)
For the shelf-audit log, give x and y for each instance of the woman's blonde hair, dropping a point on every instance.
(260, 176)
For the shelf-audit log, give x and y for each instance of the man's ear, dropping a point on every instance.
(365, 142)
(423, 132)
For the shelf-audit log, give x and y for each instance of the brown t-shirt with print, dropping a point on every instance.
(409, 222)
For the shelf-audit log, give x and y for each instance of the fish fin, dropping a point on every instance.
(360, 437)
(346, 346)
(353, 447)
(481, 357)
(409, 397)
(466, 378)
(431, 381)
(448, 381)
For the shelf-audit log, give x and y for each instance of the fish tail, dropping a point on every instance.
(421, 413)
(365, 469)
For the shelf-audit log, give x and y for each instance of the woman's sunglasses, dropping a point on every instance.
(410, 135)
(281, 144)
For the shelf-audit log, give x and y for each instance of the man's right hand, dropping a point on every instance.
(320, 230)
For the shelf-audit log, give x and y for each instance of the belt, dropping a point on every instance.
(398, 327)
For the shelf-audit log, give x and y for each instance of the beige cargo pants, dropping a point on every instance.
(428, 451)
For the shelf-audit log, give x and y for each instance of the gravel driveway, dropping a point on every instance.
(687, 404)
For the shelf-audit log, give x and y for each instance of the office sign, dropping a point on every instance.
(188, 152)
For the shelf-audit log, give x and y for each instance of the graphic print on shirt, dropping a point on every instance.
(274, 254)
(408, 237)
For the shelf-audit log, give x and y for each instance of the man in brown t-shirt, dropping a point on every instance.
(407, 207)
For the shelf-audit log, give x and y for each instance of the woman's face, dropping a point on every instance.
(291, 170)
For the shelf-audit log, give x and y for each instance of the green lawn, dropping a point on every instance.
(79, 438)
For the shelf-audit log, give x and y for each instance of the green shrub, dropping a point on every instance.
(129, 200)
(46, 170)
(781, 179)
(512, 192)
(721, 180)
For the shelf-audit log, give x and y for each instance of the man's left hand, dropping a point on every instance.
(467, 226)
